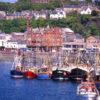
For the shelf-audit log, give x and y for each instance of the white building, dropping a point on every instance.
(7, 42)
(38, 15)
(86, 10)
(71, 40)
(2, 14)
(14, 44)
(57, 14)
(4, 38)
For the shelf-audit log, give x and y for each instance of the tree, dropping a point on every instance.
(94, 29)
(94, 13)
(85, 19)
(33, 23)
(22, 25)
(41, 22)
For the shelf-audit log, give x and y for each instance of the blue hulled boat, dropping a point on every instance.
(44, 73)
(43, 76)
(97, 80)
(98, 85)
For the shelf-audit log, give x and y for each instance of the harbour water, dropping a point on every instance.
(24, 89)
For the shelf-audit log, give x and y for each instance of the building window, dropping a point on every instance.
(67, 46)
(74, 46)
(80, 46)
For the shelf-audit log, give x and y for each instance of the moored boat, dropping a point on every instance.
(16, 73)
(16, 70)
(87, 89)
(30, 73)
(78, 74)
(44, 73)
(98, 85)
(60, 75)
(97, 81)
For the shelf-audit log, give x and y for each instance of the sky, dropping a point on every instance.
(12, 1)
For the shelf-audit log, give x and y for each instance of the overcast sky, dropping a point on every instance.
(12, 1)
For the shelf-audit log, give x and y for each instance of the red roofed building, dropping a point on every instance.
(49, 39)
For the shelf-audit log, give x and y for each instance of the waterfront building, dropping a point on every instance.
(47, 41)
(14, 44)
(93, 43)
(4, 38)
(18, 36)
(72, 41)
(15, 40)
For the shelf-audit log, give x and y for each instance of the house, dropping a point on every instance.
(72, 8)
(40, 14)
(15, 15)
(93, 43)
(86, 10)
(72, 41)
(18, 36)
(57, 14)
(26, 13)
(2, 15)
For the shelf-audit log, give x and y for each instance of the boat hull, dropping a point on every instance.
(29, 75)
(60, 75)
(78, 75)
(60, 79)
(88, 95)
(43, 76)
(16, 74)
(98, 85)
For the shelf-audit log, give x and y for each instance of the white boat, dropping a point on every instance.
(87, 89)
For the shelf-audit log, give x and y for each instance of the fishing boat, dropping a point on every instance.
(16, 70)
(30, 73)
(98, 85)
(78, 74)
(29, 69)
(87, 89)
(44, 73)
(60, 75)
(97, 82)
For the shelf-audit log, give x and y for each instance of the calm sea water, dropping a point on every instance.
(23, 89)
